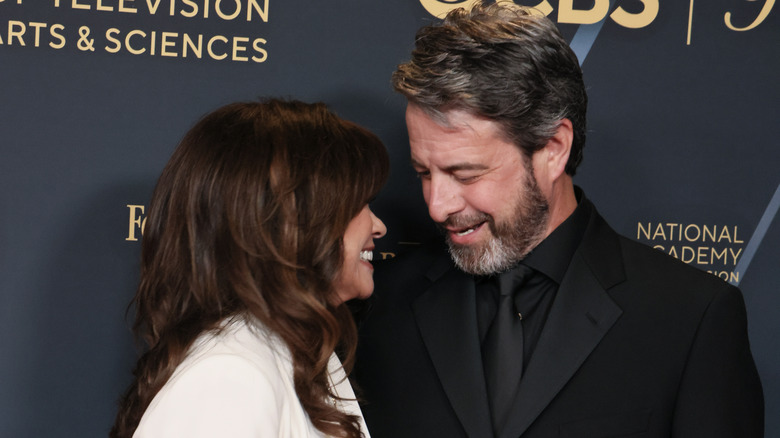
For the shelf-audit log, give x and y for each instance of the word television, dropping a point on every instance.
(224, 9)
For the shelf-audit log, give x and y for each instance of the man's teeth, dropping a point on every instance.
(469, 231)
(366, 255)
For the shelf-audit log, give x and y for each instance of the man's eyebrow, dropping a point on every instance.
(455, 167)
(465, 166)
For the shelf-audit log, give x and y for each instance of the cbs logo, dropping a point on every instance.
(566, 11)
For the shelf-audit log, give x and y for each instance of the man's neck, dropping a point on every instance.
(562, 202)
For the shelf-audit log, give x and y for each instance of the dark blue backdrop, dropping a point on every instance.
(681, 120)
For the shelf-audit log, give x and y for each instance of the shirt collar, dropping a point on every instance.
(553, 255)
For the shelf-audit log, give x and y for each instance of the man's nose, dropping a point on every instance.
(443, 196)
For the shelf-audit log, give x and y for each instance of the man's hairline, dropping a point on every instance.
(439, 116)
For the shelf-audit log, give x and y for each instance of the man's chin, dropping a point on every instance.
(484, 259)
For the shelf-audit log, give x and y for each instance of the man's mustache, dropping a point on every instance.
(465, 220)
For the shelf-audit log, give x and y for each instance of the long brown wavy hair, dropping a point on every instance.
(247, 220)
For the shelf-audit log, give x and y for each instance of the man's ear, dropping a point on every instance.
(555, 154)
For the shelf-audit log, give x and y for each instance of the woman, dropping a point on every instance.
(258, 231)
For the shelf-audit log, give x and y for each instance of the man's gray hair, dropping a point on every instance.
(504, 62)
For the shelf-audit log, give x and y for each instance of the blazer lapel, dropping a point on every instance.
(580, 317)
(446, 317)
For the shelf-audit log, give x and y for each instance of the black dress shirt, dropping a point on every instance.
(549, 260)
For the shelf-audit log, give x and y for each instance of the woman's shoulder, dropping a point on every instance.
(245, 338)
(231, 376)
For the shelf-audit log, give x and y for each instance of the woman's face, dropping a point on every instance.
(356, 279)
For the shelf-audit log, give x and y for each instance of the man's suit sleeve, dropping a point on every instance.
(720, 393)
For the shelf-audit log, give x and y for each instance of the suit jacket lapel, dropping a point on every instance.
(446, 317)
(580, 317)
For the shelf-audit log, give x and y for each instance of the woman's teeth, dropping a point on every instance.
(366, 256)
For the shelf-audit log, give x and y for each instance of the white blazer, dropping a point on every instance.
(238, 383)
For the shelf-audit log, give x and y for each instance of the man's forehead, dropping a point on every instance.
(454, 119)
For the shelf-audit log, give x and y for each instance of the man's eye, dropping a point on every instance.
(465, 179)
(423, 174)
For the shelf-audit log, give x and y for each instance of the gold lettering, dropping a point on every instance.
(659, 230)
(731, 277)
(218, 7)
(75, 5)
(567, 13)
(544, 8)
(724, 234)
(737, 240)
(18, 34)
(136, 221)
(127, 41)
(110, 37)
(210, 49)
(123, 8)
(153, 7)
(191, 13)
(636, 21)
(734, 256)
(709, 232)
(99, 6)
(37, 27)
(768, 5)
(642, 230)
(698, 233)
(53, 30)
(164, 44)
(719, 255)
(672, 227)
(439, 9)
(673, 252)
(387, 255)
(239, 48)
(701, 255)
(254, 6)
(263, 53)
(187, 42)
(687, 250)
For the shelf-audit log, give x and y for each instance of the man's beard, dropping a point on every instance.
(511, 241)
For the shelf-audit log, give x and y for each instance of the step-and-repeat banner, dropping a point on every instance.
(682, 152)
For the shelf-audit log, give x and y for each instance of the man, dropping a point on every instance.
(542, 321)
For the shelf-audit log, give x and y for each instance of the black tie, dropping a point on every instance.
(503, 347)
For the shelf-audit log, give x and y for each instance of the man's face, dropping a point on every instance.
(480, 189)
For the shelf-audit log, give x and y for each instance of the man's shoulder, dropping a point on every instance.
(647, 264)
(664, 284)
(654, 263)
(631, 270)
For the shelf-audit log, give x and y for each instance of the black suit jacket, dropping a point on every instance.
(636, 344)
